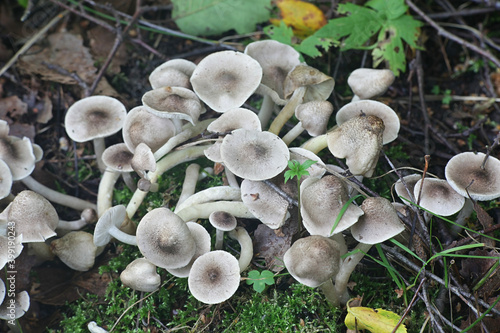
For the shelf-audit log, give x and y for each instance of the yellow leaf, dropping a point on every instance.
(373, 320)
(304, 17)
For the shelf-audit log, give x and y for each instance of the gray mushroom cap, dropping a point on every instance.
(379, 223)
(94, 117)
(141, 275)
(225, 80)
(21, 302)
(175, 72)
(6, 179)
(222, 220)
(16, 153)
(314, 116)
(313, 260)
(369, 82)
(318, 85)
(76, 249)
(118, 157)
(464, 171)
(233, 119)
(254, 155)
(112, 217)
(164, 239)
(438, 197)
(410, 181)
(214, 277)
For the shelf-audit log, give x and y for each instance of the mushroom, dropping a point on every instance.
(302, 84)
(314, 261)
(368, 82)
(437, 196)
(164, 239)
(118, 161)
(359, 140)
(214, 277)
(16, 153)
(141, 275)
(221, 221)
(76, 249)
(225, 80)
(94, 118)
(15, 307)
(474, 175)
(10, 249)
(254, 155)
(6, 179)
(233, 119)
(173, 73)
(108, 226)
(87, 216)
(405, 186)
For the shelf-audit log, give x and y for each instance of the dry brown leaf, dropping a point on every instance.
(272, 246)
(65, 50)
(101, 42)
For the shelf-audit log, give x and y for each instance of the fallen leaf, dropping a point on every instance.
(373, 320)
(272, 247)
(101, 42)
(304, 17)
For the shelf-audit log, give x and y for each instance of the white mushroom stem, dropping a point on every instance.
(219, 239)
(105, 191)
(316, 144)
(330, 293)
(246, 245)
(346, 269)
(288, 110)
(231, 178)
(188, 132)
(99, 147)
(462, 216)
(203, 211)
(55, 196)
(190, 181)
(339, 238)
(122, 236)
(266, 110)
(293, 133)
(88, 216)
(166, 163)
(211, 194)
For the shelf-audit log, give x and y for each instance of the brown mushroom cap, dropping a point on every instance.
(313, 260)
(373, 108)
(359, 141)
(369, 82)
(164, 239)
(438, 197)
(225, 80)
(379, 223)
(94, 117)
(214, 277)
(464, 171)
(254, 155)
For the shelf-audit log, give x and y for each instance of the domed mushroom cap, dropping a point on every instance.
(276, 60)
(438, 197)
(164, 239)
(16, 153)
(379, 223)
(234, 119)
(410, 181)
(368, 82)
(359, 141)
(465, 171)
(34, 217)
(143, 126)
(225, 80)
(76, 249)
(321, 201)
(313, 260)
(318, 85)
(222, 220)
(172, 73)
(254, 155)
(314, 116)
(94, 117)
(141, 275)
(264, 203)
(373, 108)
(214, 277)
(118, 158)
(173, 102)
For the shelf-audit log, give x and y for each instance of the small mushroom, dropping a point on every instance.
(221, 221)
(368, 82)
(108, 226)
(437, 196)
(172, 73)
(76, 249)
(15, 307)
(141, 275)
(87, 216)
(16, 153)
(214, 277)
(6, 179)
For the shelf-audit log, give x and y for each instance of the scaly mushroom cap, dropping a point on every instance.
(16, 153)
(254, 155)
(214, 277)
(314, 116)
(118, 158)
(141, 275)
(373, 108)
(34, 217)
(276, 60)
(313, 260)
(173, 73)
(173, 102)
(143, 126)
(321, 201)
(76, 249)
(94, 117)
(368, 82)
(164, 239)
(379, 223)
(359, 141)
(465, 171)
(225, 80)
(438, 197)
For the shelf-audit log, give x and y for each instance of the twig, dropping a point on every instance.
(451, 36)
(73, 75)
(291, 201)
(423, 106)
(425, 297)
(32, 41)
(408, 308)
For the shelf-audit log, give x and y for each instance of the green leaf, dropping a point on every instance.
(213, 17)
(259, 280)
(282, 34)
(307, 164)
